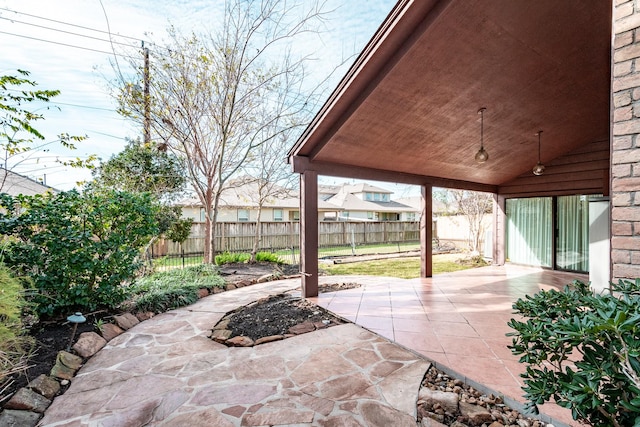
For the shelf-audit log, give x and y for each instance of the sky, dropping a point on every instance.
(69, 45)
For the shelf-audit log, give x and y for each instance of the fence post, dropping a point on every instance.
(353, 240)
(182, 251)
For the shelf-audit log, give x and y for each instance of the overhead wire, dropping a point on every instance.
(67, 23)
(108, 33)
(65, 32)
(67, 44)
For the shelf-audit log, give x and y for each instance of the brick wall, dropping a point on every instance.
(625, 149)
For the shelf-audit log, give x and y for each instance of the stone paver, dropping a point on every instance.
(166, 371)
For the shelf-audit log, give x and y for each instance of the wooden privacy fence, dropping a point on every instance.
(239, 236)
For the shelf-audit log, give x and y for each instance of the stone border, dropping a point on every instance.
(28, 404)
(222, 335)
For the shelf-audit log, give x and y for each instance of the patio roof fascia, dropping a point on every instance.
(300, 164)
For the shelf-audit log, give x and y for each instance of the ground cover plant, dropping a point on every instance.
(241, 257)
(582, 351)
(167, 290)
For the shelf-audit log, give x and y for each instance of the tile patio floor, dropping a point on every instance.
(458, 320)
(166, 372)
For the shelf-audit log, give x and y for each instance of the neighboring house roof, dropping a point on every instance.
(363, 187)
(240, 198)
(416, 203)
(14, 184)
(349, 202)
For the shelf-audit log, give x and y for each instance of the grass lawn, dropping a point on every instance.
(405, 268)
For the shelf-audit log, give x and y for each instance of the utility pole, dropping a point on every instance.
(147, 114)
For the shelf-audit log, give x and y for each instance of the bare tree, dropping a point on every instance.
(474, 206)
(273, 180)
(214, 99)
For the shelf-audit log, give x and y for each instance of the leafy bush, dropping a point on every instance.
(77, 248)
(233, 258)
(14, 345)
(582, 350)
(172, 289)
(268, 257)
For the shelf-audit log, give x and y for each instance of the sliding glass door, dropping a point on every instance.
(529, 231)
(572, 244)
(549, 232)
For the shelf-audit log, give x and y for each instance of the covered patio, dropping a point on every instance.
(457, 320)
(407, 110)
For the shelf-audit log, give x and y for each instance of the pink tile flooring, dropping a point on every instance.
(458, 320)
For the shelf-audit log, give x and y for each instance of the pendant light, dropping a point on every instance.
(538, 169)
(482, 155)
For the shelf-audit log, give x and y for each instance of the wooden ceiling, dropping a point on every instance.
(408, 108)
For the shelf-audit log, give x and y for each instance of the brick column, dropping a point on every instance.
(625, 146)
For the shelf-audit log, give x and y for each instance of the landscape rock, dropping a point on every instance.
(29, 400)
(476, 415)
(265, 278)
(110, 330)
(144, 315)
(269, 339)
(430, 422)
(126, 321)
(66, 365)
(220, 335)
(222, 324)
(217, 290)
(44, 385)
(230, 287)
(474, 407)
(14, 418)
(88, 344)
(435, 398)
(203, 292)
(240, 341)
(302, 328)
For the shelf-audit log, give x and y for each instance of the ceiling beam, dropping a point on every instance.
(300, 164)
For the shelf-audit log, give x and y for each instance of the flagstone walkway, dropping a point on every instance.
(167, 372)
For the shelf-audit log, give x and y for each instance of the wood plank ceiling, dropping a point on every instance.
(409, 105)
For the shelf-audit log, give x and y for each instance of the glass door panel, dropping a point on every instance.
(572, 245)
(529, 231)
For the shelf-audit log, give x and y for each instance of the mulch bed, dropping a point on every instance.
(275, 316)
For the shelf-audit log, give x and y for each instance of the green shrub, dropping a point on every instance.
(583, 351)
(77, 248)
(231, 258)
(15, 346)
(172, 289)
(268, 257)
(236, 258)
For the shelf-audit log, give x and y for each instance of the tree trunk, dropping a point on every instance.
(257, 237)
(214, 221)
(209, 231)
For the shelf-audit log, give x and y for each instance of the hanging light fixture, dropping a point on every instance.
(482, 155)
(538, 169)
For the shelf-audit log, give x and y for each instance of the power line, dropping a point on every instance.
(66, 32)
(83, 106)
(69, 24)
(137, 39)
(69, 45)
